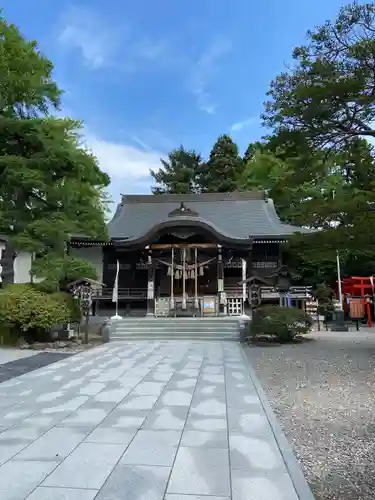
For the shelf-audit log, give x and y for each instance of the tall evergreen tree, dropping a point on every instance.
(179, 172)
(50, 185)
(329, 95)
(223, 171)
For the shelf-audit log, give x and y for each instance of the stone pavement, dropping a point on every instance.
(142, 421)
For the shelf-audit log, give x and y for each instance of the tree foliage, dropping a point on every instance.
(50, 186)
(179, 173)
(26, 309)
(330, 93)
(185, 171)
(223, 170)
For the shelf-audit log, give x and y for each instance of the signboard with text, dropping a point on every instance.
(356, 308)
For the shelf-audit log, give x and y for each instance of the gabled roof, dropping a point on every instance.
(240, 217)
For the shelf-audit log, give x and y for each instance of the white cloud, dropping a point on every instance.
(203, 71)
(122, 161)
(238, 126)
(85, 31)
(107, 43)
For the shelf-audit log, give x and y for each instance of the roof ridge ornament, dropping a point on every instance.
(183, 211)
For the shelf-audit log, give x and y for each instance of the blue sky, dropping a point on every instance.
(147, 76)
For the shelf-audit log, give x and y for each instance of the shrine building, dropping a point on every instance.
(189, 255)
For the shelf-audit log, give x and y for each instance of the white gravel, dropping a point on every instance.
(323, 392)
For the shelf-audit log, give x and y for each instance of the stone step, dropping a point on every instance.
(158, 326)
(151, 328)
(215, 338)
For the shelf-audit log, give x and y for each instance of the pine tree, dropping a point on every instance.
(223, 171)
(179, 172)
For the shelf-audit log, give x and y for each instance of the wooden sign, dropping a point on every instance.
(356, 308)
(209, 305)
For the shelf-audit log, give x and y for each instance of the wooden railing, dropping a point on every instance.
(123, 293)
(141, 293)
(233, 290)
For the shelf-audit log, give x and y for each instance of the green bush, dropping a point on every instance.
(32, 313)
(280, 323)
(7, 336)
(69, 302)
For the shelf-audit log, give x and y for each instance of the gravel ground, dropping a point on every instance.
(323, 391)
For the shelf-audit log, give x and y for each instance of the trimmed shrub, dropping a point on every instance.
(69, 302)
(280, 323)
(30, 312)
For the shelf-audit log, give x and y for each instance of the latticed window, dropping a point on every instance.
(234, 306)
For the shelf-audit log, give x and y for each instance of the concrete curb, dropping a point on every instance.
(298, 479)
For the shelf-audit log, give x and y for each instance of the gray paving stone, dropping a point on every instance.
(208, 407)
(87, 467)
(244, 400)
(169, 418)
(85, 417)
(210, 424)
(125, 418)
(151, 447)
(111, 396)
(44, 493)
(149, 389)
(250, 486)
(18, 479)
(255, 453)
(182, 383)
(176, 398)
(158, 377)
(55, 445)
(110, 421)
(111, 435)
(204, 439)
(194, 497)
(135, 483)
(138, 403)
(201, 471)
(91, 388)
(242, 422)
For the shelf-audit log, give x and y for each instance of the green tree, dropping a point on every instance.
(329, 192)
(50, 185)
(26, 84)
(179, 172)
(330, 93)
(223, 171)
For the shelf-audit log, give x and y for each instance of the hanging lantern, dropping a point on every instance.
(201, 271)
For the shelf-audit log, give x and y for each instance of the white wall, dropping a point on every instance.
(93, 255)
(22, 267)
(2, 247)
(22, 263)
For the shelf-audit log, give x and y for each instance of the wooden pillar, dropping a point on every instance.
(184, 278)
(172, 280)
(196, 305)
(244, 285)
(150, 284)
(220, 278)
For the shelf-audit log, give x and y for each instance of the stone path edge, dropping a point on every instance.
(22, 366)
(298, 479)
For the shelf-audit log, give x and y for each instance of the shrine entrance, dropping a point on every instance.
(184, 275)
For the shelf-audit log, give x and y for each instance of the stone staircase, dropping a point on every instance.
(180, 328)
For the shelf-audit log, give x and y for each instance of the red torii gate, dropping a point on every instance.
(359, 286)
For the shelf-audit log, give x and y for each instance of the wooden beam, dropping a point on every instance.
(157, 246)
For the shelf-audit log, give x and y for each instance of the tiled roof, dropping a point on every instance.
(235, 216)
